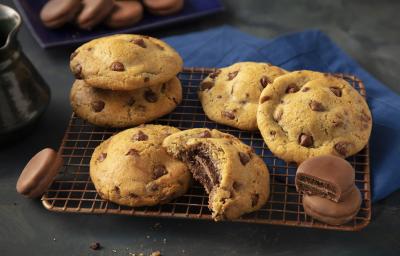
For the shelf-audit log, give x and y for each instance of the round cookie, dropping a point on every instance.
(304, 114)
(94, 12)
(124, 108)
(125, 62)
(230, 95)
(236, 179)
(125, 13)
(331, 212)
(132, 168)
(55, 13)
(163, 7)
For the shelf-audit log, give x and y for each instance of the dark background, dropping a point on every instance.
(368, 30)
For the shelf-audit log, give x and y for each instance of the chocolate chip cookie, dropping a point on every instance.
(124, 108)
(230, 95)
(304, 114)
(132, 168)
(236, 179)
(125, 62)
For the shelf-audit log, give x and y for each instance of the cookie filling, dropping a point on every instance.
(313, 186)
(203, 167)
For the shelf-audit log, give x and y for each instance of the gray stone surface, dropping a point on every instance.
(368, 30)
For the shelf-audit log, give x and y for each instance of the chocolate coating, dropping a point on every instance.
(55, 13)
(331, 212)
(125, 13)
(327, 176)
(163, 7)
(39, 172)
(94, 12)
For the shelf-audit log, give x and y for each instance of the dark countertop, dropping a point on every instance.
(368, 30)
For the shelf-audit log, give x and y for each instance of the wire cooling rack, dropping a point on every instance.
(73, 191)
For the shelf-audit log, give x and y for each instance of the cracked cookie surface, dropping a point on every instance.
(230, 95)
(236, 179)
(125, 62)
(132, 168)
(124, 108)
(305, 113)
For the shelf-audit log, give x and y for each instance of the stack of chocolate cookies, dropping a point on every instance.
(329, 192)
(125, 80)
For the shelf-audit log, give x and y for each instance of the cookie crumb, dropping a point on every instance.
(95, 246)
(155, 253)
(157, 226)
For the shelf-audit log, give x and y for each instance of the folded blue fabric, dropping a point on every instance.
(311, 50)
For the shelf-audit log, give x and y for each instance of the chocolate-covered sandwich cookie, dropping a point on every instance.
(55, 13)
(326, 176)
(125, 13)
(94, 12)
(163, 7)
(330, 212)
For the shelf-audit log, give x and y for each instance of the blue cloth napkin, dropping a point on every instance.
(311, 50)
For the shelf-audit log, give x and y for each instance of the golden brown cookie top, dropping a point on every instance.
(125, 62)
(124, 108)
(230, 95)
(132, 168)
(305, 113)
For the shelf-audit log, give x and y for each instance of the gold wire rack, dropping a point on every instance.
(73, 191)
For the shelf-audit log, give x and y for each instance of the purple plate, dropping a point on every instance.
(69, 34)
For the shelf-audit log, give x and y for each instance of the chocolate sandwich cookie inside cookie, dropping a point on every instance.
(333, 213)
(230, 95)
(124, 108)
(304, 114)
(132, 168)
(236, 179)
(56, 13)
(125, 62)
(327, 176)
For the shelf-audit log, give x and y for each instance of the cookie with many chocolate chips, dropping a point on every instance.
(132, 168)
(125, 62)
(304, 114)
(230, 95)
(124, 108)
(236, 179)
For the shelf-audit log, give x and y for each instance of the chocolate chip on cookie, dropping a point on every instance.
(102, 157)
(232, 75)
(140, 136)
(214, 74)
(158, 171)
(133, 152)
(139, 41)
(228, 114)
(117, 66)
(306, 140)
(264, 99)
(264, 81)
(292, 88)
(78, 71)
(98, 105)
(206, 85)
(254, 199)
(337, 91)
(316, 106)
(244, 158)
(150, 96)
(342, 148)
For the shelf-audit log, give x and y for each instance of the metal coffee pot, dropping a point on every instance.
(24, 95)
